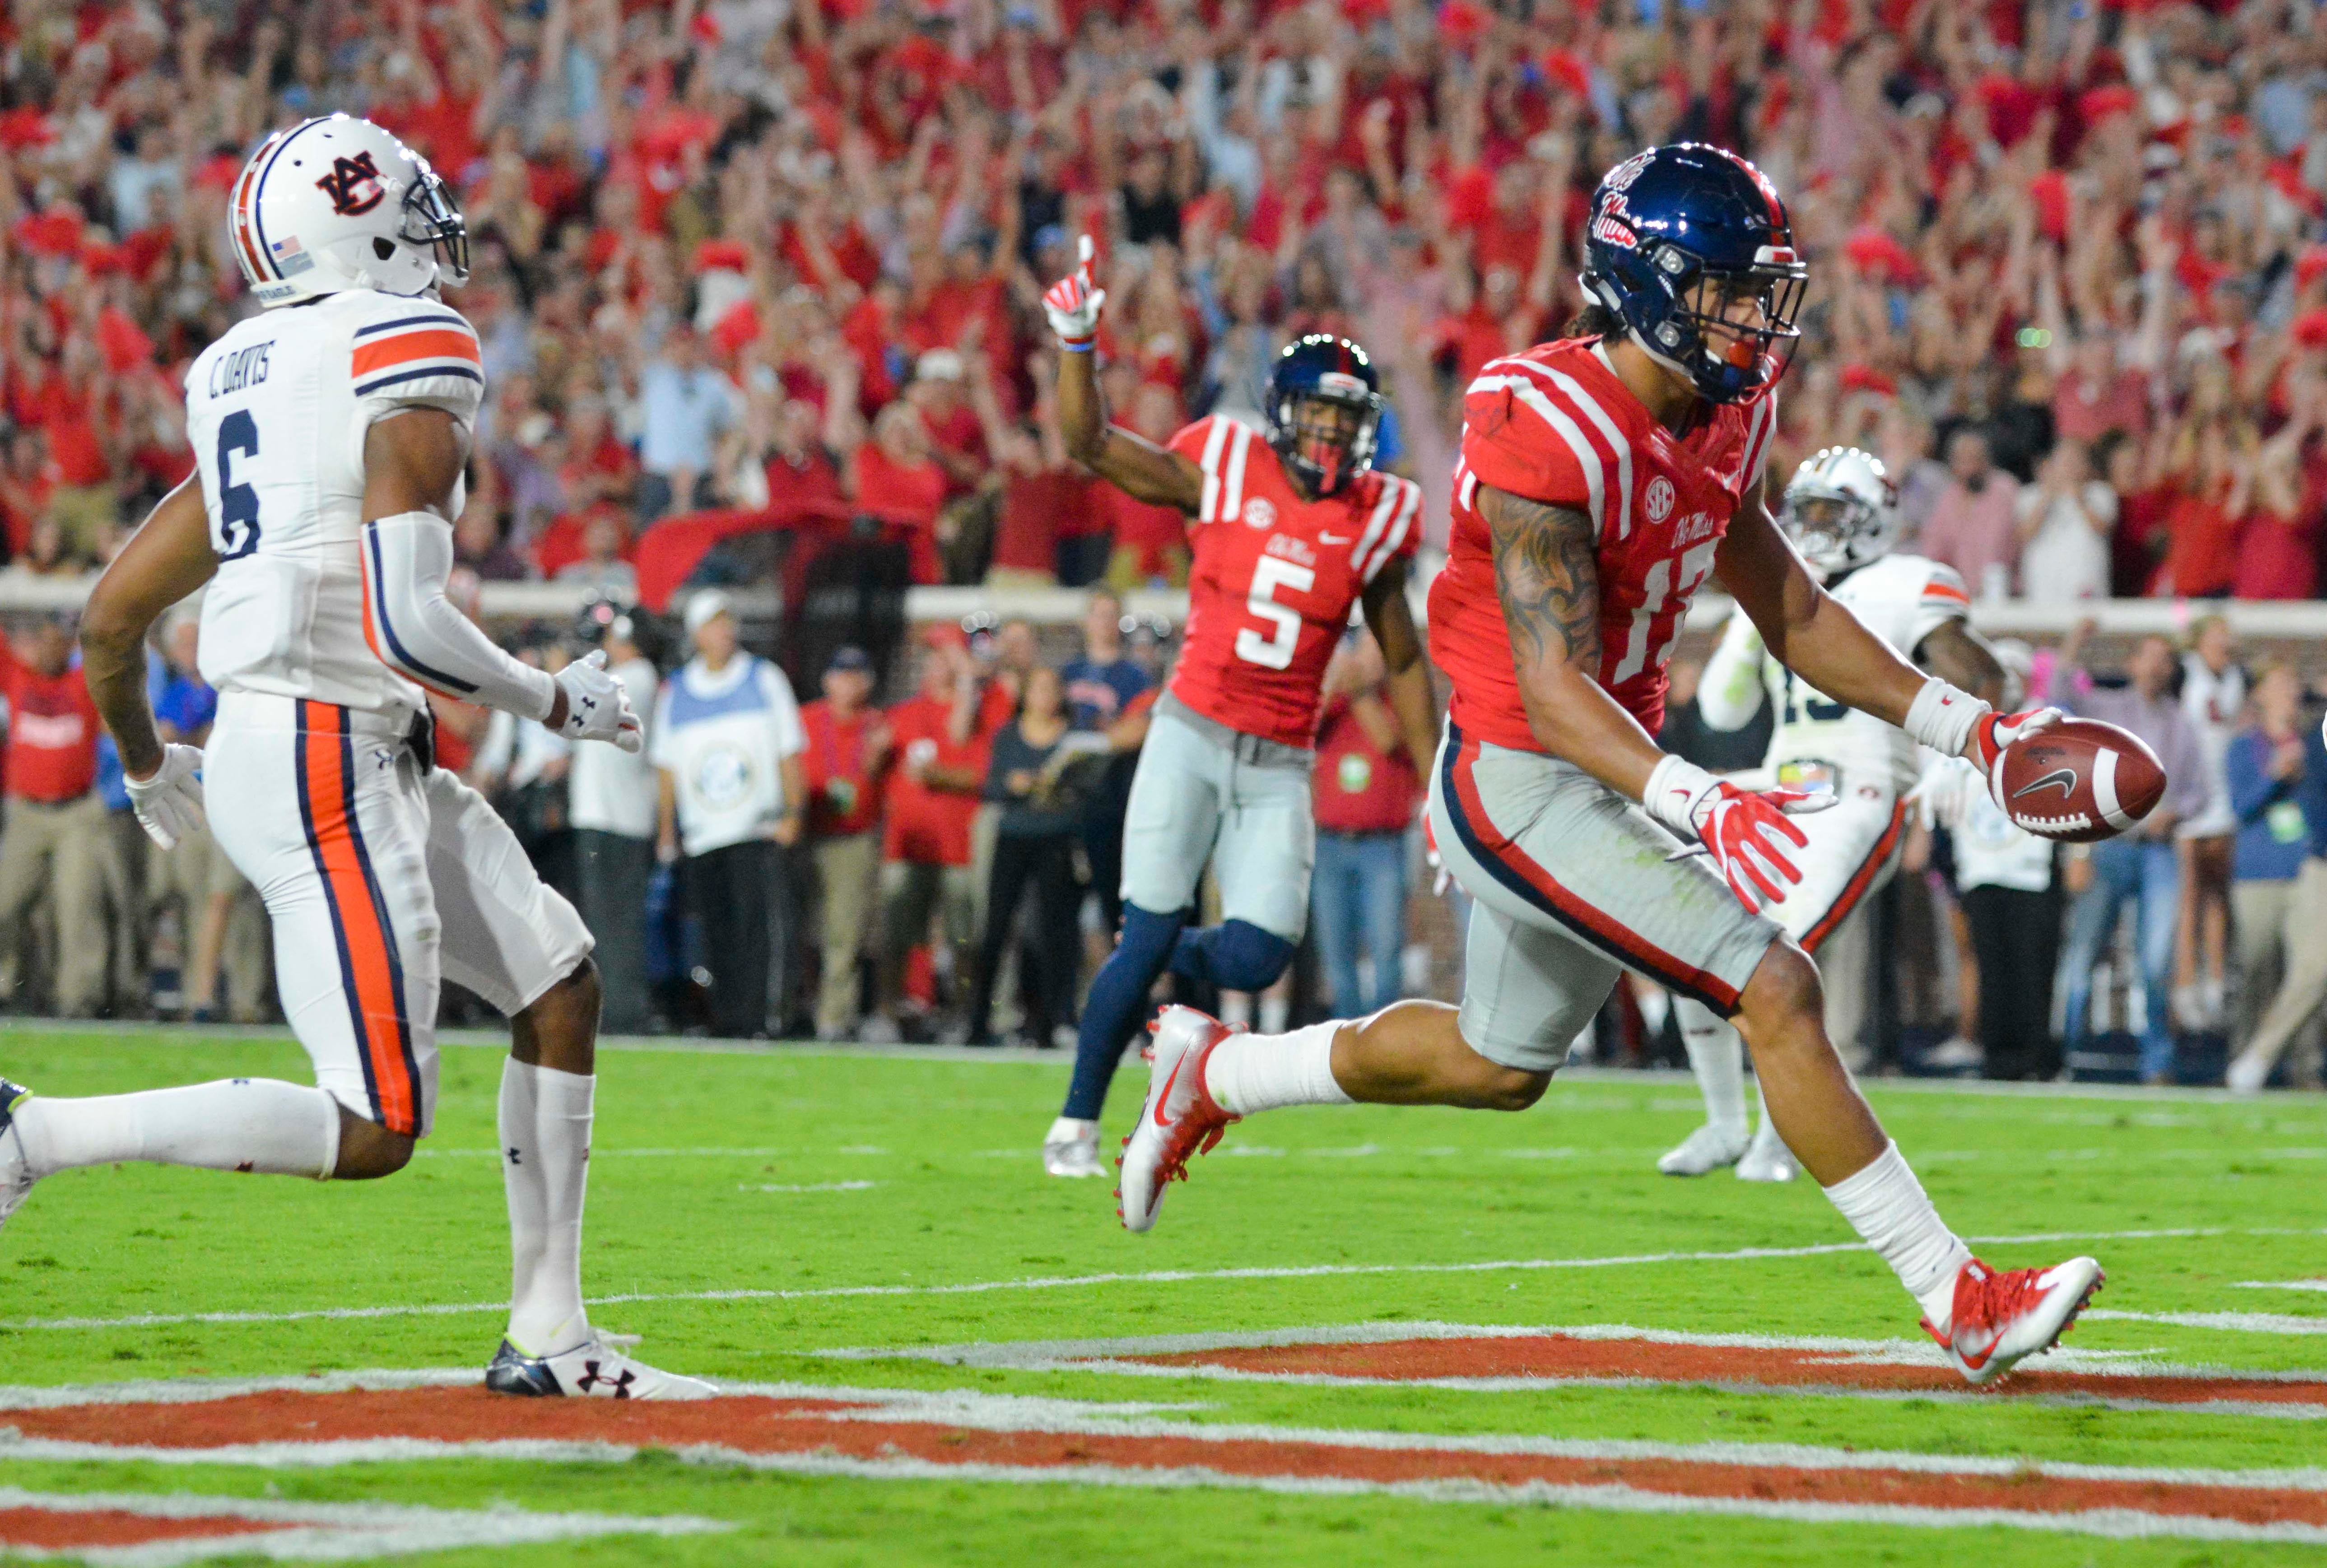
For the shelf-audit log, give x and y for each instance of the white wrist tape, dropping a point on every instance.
(1942, 717)
(1672, 792)
(419, 634)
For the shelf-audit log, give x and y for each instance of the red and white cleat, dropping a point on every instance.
(2000, 1319)
(1179, 1118)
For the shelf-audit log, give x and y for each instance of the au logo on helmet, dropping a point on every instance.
(354, 185)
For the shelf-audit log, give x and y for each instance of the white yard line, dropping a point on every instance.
(808, 1187)
(2320, 1286)
(1073, 1282)
(2235, 1322)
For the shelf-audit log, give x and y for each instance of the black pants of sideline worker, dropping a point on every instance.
(610, 876)
(732, 892)
(1047, 861)
(2015, 935)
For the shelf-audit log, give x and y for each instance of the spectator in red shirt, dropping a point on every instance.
(1367, 790)
(58, 840)
(26, 484)
(848, 747)
(2202, 524)
(929, 804)
(898, 482)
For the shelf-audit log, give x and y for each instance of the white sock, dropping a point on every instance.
(1718, 1057)
(255, 1125)
(546, 1315)
(1071, 1129)
(1262, 1072)
(1235, 1007)
(522, 1178)
(1887, 1207)
(1275, 1012)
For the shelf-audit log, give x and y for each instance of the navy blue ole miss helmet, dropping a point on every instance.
(1324, 409)
(1689, 247)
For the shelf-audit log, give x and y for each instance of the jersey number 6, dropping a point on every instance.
(237, 513)
(1275, 650)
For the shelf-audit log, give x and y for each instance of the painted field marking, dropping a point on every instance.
(907, 1434)
(808, 1187)
(2320, 1286)
(2233, 1322)
(1078, 1281)
(1502, 1359)
(134, 1530)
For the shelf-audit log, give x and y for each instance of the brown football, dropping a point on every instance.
(2079, 782)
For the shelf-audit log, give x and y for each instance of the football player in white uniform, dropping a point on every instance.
(1841, 513)
(331, 432)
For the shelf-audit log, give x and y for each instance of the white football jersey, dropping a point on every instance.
(277, 410)
(1902, 600)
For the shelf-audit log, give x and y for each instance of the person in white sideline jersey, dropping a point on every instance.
(1601, 479)
(1841, 512)
(330, 434)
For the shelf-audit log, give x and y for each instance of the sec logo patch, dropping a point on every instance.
(1659, 498)
(1260, 512)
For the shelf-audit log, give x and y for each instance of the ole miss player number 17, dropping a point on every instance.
(1604, 478)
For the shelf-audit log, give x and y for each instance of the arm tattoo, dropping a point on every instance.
(1548, 573)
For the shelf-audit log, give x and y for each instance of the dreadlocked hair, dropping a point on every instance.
(1594, 321)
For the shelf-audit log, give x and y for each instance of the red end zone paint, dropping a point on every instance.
(1560, 1357)
(62, 1530)
(926, 1436)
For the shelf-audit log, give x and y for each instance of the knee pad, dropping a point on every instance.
(1233, 956)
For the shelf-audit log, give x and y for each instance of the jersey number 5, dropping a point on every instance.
(237, 513)
(1274, 651)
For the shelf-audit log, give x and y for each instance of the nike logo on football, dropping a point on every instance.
(2066, 777)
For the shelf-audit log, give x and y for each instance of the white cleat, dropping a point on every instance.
(1178, 1118)
(2246, 1076)
(2000, 1319)
(1705, 1151)
(600, 1368)
(1072, 1148)
(1767, 1158)
(16, 1176)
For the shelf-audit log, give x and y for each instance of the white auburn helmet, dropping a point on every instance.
(1841, 511)
(336, 203)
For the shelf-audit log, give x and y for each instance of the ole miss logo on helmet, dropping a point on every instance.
(354, 185)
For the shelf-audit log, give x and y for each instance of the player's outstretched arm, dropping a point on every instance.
(167, 559)
(1957, 654)
(412, 461)
(1390, 618)
(1547, 575)
(1133, 464)
(1802, 625)
(1824, 643)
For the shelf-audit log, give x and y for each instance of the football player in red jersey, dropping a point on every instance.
(1287, 531)
(1603, 479)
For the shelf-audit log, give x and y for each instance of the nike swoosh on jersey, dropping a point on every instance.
(2065, 778)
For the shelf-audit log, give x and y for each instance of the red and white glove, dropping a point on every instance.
(1074, 305)
(1756, 850)
(1955, 724)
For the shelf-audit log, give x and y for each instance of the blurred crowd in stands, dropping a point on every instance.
(756, 282)
(781, 259)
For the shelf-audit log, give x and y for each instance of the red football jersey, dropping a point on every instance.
(1273, 577)
(1555, 424)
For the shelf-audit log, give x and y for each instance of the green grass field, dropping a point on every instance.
(751, 1210)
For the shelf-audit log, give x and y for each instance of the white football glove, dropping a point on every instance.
(1946, 792)
(169, 803)
(1074, 305)
(597, 708)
